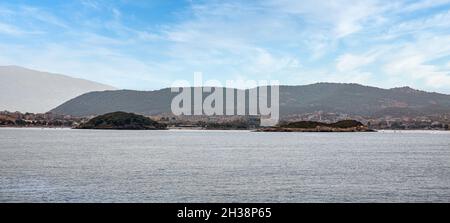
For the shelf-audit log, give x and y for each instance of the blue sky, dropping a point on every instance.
(149, 44)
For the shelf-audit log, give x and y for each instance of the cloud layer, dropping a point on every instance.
(138, 45)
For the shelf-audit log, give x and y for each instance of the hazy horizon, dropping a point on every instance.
(165, 87)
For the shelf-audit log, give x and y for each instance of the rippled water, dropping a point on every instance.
(48, 165)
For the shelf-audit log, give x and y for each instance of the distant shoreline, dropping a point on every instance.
(314, 130)
(245, 130)
(34, 127)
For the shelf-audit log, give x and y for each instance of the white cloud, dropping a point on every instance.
(415, 61)
(416, 67)
(90, 4)
(5, 11)
(350, 62)
(351, 77)
(344, 16)
(42, 16)
(10, 30)
(424, 4)
(217, 42)
(421, 25)
(116, 13)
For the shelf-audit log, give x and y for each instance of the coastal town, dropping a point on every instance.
(51, 120)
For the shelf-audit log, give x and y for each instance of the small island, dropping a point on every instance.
(122, 121)
(310, 126)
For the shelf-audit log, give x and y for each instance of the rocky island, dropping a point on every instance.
(122, 121)
(310, 126)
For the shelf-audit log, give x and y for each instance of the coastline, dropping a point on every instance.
(435, 131)
(34, 127)
(316, 129)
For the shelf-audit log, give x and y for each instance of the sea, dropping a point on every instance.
(171, 166)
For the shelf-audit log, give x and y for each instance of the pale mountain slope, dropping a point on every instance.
(28, 90)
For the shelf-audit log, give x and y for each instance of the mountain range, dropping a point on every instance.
(27, 90)
(352, 99)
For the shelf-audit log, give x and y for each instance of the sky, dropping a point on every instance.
(147, 45)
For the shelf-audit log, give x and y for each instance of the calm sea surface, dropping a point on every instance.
(64, 165)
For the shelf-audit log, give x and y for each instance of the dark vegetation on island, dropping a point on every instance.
(122, 120)
(311, 126)
(227, 126)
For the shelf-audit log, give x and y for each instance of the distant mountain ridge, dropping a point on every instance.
(353, 99)
(27, 90)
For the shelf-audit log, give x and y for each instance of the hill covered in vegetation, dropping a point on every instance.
(122, 120)
(351, 99)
